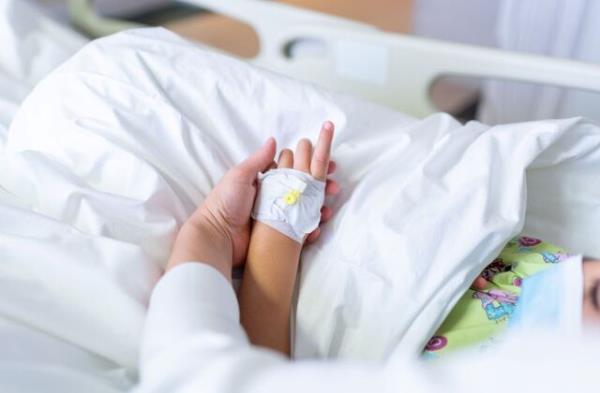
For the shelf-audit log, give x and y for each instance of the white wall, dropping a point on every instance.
(468, 21)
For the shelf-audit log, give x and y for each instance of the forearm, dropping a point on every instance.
(202, 243)
(268, 286)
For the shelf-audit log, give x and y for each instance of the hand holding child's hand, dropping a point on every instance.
(219, 230)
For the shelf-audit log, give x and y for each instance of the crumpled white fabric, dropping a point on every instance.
(289, 201)
(112, 152)
(32, 46)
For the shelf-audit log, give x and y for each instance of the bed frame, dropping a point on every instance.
(388, 68)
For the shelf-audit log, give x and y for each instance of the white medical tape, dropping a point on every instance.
(289, 201)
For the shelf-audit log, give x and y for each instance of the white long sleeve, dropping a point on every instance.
(193, 343)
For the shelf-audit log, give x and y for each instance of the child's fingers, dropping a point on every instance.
(480, 283)
(320, 159)
(302, 156)
(331, 187)
(286, 159)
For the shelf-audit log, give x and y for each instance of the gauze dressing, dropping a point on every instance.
(289, 201)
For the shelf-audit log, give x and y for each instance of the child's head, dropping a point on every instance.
(591, 291)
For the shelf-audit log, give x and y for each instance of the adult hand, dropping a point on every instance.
(218, 232)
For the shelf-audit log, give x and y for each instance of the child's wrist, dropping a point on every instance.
(270, 236)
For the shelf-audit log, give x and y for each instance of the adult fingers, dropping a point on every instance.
(326, 213)
(286, 159)
(480, 283)
(302, 156)
(258, 161)
(313, 236)
(332, 167)
(320, 159)
(332, 187)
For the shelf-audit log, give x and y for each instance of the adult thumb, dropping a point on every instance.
(259, 160)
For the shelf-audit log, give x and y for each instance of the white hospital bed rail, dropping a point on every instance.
(392, 69)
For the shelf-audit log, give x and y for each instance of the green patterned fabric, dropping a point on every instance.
(480, 316)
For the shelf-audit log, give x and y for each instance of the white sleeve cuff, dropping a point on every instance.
(191, 298)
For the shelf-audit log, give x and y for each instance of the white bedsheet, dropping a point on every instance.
(32, 45)
(115, 149)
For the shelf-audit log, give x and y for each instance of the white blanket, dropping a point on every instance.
(32, 45)
(111, 153)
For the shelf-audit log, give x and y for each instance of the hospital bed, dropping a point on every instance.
(347, 56)
(93, 213)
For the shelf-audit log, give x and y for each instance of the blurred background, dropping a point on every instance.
(559, 28)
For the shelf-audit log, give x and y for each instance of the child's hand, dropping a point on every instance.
(479, 284)
(316, 163)
(272, 263)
